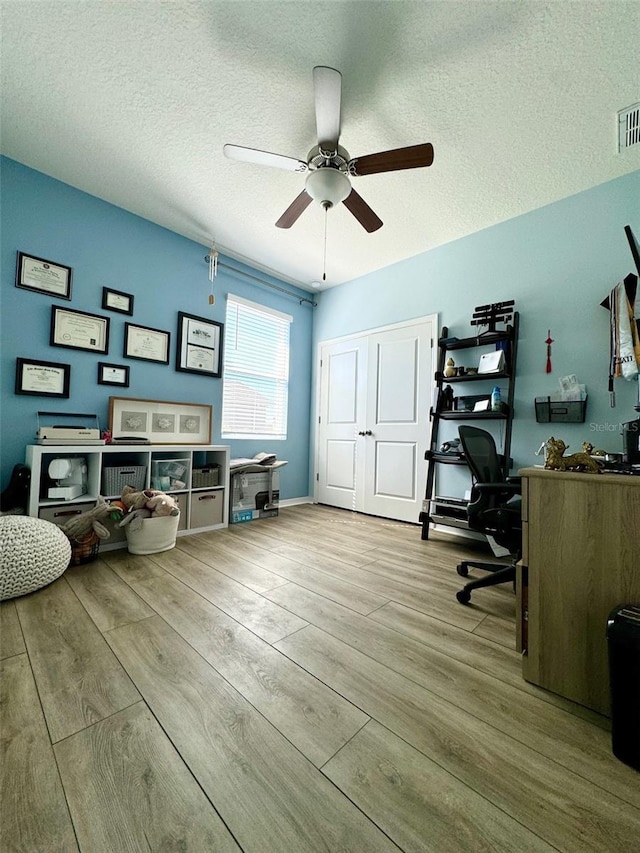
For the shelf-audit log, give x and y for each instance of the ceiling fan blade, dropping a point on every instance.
(369, 220)
(264, 158)
(327, 84)
(412, 157)
(295, 209)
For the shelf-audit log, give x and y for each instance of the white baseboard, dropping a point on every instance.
(296, 501)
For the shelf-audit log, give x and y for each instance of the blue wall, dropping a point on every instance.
(558, 263)
(166, 273)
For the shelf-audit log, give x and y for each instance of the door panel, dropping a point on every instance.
(397, 372)
(395, 470)
(343, 387)
(342, 394)
(341, 465)
(374, 429)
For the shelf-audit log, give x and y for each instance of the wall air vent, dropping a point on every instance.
(629, 127)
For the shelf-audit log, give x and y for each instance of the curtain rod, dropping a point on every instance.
(262, 281)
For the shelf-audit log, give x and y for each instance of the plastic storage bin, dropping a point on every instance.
(169, 474)
(623, 635)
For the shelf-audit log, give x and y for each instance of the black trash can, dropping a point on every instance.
(623, 635)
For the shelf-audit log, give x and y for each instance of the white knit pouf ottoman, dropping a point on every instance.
(33, 553)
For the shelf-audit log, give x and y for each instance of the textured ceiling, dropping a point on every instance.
(133, 101)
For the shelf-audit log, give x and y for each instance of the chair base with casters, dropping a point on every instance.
(500, 574)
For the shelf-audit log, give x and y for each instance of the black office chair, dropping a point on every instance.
(494, 509)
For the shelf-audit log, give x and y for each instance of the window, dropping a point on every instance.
(255, 387)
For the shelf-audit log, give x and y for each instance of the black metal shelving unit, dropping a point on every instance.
(452, 511)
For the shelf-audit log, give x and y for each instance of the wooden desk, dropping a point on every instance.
(581, 558)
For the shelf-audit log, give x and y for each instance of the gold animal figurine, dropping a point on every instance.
(588, 448)
(576, 462)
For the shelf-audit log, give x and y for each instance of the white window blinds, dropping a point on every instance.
(256, 371)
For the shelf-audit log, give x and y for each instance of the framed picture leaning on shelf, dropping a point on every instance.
(160, 421)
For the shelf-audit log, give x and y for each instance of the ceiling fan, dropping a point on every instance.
(329, 165)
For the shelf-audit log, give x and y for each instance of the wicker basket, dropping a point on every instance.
(115, 479)
(203, 477)
(85, 549)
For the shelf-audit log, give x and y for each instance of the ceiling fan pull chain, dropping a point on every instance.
(324, 259)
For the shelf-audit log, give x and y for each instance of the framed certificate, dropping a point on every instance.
(43, 276)
(199, 345)
(116, 300)
(79, 330)
(42, 378)
(146, 344)
(113, 374)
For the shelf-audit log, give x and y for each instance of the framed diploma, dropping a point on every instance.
(160, 421)
(116, 300)
(199, 345)
(43, 276)
(146, 344)
(113, 374)
(79, 330)
(42, 378)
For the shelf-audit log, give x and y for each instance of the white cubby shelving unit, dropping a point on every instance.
(202, 507)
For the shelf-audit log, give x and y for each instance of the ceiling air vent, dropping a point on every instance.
(629, 127)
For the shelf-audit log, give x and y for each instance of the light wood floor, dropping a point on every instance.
(303, 683)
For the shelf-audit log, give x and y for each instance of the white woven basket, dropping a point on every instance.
(155, 534)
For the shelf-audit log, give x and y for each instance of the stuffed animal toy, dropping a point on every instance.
(150, 503)
(133, 499)
(89, 521)
(162, 505)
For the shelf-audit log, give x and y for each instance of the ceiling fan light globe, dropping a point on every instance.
(328, 186)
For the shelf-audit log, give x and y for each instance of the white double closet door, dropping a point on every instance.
(374, 427)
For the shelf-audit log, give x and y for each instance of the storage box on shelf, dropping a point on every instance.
(111, 467)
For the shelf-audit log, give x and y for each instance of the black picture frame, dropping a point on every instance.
(39, 378)
(117, 300)
(199, 348)
(146, 344)
(113, 374)
(43, 276)
(74, 329)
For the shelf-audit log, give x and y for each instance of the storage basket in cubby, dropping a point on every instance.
(115, 479)
(205, 476)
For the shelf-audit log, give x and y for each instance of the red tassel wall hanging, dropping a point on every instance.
(548, 342)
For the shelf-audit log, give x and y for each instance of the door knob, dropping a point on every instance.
(368, 432)
(361, 432)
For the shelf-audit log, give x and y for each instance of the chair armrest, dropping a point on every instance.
(495, 488)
